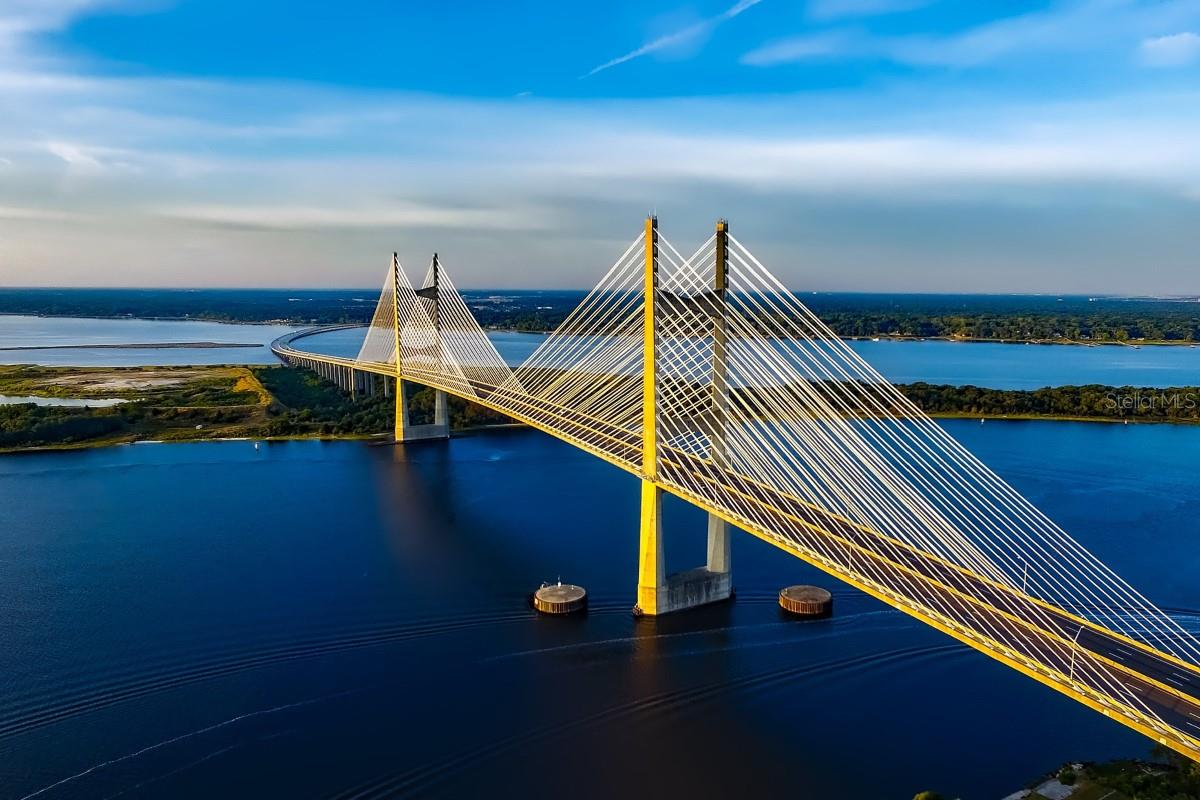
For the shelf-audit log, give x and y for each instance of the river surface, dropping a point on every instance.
(1000, 366)
(68, 402)
(74, 334)
(990, 364)
(211, 620)
(208, 619)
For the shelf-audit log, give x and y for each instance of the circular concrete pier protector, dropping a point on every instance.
(560, 598)
(806, 601)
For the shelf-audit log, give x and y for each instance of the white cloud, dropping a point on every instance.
(834, 9)
(1175, 50)
(227, 180)
(1069, 27)
(18, 17)
(20, 20)
(911, 165)
(676, 38)
(799, 48)
(22, 214)
(409, 215)
(77, 156)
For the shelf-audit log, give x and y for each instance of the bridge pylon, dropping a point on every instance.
(404, 430)
(660, 593)
(785, 433)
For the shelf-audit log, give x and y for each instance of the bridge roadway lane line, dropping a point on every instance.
(1018, 636)
(1146, 664)
(986, 594)
(1172, 678)
(1173, 708)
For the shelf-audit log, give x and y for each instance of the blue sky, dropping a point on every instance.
(871, 145)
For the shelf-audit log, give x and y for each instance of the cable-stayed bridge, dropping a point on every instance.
(706, 378)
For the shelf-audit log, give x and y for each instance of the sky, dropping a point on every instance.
(854, 145)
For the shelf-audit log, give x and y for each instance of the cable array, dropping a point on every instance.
(795, 447)
(379, 345)
(463, 342)
(587, 375)
(769, 419)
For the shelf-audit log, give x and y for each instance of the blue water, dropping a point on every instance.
(994, 365)
(24, 331)
(208, 620)
(69, 402)
(1001, 366)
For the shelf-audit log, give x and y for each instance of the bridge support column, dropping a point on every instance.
(658, 592)
(719, 560)
(441, 411)
(652, 562)
(401, 410)
(718, 529)
(406, 432)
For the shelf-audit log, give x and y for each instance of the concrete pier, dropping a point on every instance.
(660, 593)
(806, 601)
(406, 432)
(560, 598)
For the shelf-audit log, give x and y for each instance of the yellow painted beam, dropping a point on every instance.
(652, 574)
(943, 587)
(1109, 707)
(651, 556)
(973, 574)
(652, 567)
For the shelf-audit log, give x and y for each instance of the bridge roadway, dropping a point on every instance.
(1036, 638)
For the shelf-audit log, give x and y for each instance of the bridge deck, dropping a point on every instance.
(1050, 644)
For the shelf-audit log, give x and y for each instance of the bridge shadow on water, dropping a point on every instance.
(316, 619)
(732, 697)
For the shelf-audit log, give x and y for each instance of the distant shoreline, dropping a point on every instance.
(887, 337)
(978, 340)
(136, 346)
(383, 439)
(279, 322)
(882, 337)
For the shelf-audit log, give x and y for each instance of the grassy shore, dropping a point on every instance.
(1168, 776)
(196, 403)
(215, 402)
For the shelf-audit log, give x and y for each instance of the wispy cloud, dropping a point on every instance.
(393, 216)
(836, 9)
(1175, 50)
(254, 182)
(83, 157)
(1075, 27)
(800, 48)
(19, 17)
(28, 214)
(676, 38)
